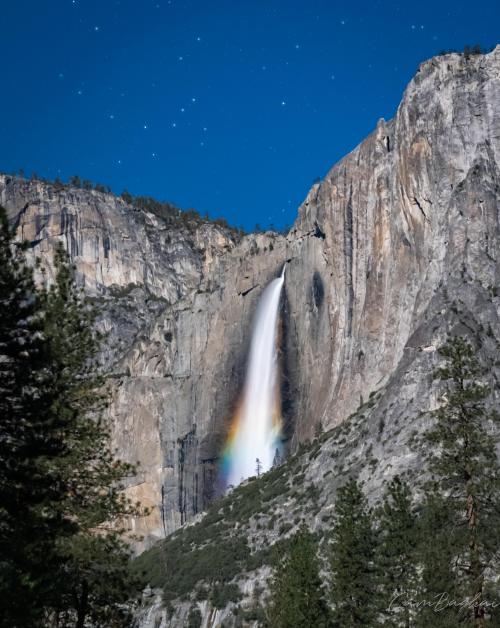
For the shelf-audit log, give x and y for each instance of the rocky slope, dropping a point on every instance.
(408, 252)
(402, 227)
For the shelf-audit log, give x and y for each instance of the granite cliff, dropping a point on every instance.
(401, 230)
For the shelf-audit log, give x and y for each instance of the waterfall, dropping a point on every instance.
(257, 423)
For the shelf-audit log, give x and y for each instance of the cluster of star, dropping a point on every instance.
(174, 86)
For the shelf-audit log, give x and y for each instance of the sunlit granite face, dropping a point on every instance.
(402, 226)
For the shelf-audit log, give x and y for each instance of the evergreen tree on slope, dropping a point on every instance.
(95, 581)
(396, 555)
(466, 475)
(354, 580)
(30, 441)
(63, 560)
(297, 598)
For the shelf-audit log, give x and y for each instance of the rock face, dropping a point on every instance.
(406, 223)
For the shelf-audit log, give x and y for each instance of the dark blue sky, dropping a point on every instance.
(232, 107)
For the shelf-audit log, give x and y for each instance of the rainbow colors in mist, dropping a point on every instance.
(256, 427)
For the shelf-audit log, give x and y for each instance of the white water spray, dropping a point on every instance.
(256, 436)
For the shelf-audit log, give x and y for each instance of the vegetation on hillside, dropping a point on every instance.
(432, 564)
(167, 211)
(200, 554)
(425, 555)
(468, 51)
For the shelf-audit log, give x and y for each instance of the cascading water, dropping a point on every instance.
(256, 427)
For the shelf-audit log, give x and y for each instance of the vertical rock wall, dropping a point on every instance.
(390, 225)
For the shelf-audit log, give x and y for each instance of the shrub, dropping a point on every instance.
(284, 528)
(194, 618)
(222, 594)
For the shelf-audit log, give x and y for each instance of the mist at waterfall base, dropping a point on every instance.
(256, 427)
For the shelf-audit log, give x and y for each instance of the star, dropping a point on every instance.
(153, 155)
(193, 99)
(145, 127)
(283, 103)
(119, 161)
(182, 110)
(180, 58)
(198, 39)
(174, 124)
(96, 28)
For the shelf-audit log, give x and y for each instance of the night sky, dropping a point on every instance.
(229, 107)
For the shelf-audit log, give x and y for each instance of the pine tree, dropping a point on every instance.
(127, 197)
(436, 555)
(466, 473)
(396, 554)
(95, 579)
(58, 184)
(75, 181)
(194, 618)
(354, 585)
(258, 467)
(63, 560)
(278, 459)
(297, 598)
(30, 441)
